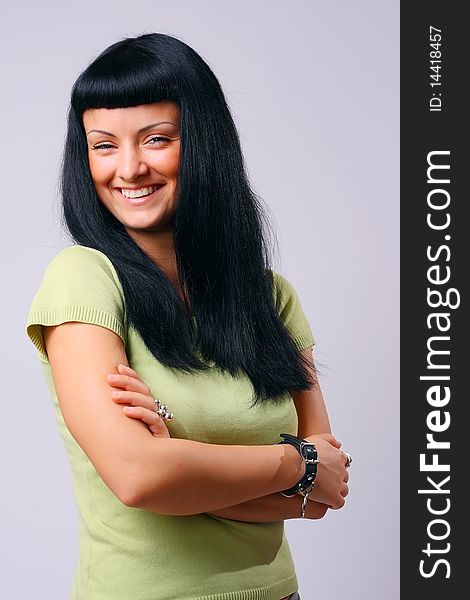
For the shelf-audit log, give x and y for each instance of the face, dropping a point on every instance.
(133, 155)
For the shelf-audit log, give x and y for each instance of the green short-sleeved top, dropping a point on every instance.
(128, 553)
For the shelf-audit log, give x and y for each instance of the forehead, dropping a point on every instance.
(131, 118)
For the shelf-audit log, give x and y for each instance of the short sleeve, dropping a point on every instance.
(291, 312)
(79, 284)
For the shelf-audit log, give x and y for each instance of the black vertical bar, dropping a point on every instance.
(434, 292)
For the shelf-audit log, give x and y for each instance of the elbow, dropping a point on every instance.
(144, 488)
(129, 488)
(153, 484)
(128, 492)
(129, 496)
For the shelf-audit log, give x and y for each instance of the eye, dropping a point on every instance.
(103, 146)
(158, 139)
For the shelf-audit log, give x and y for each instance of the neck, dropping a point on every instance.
(160, 247)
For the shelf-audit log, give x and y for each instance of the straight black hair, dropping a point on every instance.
(220, 231)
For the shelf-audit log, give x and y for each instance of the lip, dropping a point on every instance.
(144, 199)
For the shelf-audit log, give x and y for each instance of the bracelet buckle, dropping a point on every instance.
(309, 447)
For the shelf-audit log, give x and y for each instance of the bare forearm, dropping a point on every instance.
(274, 507)
(183, 477)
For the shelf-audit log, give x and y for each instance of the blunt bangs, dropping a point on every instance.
(128, 74)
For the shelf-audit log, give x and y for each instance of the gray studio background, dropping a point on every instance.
(313, 87)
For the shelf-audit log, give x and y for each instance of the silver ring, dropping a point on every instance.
(162, 410)
(348, 459)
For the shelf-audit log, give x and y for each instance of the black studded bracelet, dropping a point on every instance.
(308, 452)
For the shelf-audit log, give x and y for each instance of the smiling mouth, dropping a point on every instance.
(141, 192)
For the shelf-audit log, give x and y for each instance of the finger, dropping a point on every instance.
(346, 477)
(150, 417)
(316, 510)
(332, 440)
(134, 399)
(126, 370)
(344, 490)
(339, 504)
(126, 382)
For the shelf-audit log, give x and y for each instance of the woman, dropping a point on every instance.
(168, 289)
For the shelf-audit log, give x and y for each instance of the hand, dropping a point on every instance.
(344, 492)
(332, 476)
(315, 510)
(137, 398)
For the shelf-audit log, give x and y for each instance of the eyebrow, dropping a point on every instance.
(140, 130)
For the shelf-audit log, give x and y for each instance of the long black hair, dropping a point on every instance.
(220, 231)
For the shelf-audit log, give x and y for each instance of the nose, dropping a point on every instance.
(131, 164)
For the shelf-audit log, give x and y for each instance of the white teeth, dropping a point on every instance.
(139, 193)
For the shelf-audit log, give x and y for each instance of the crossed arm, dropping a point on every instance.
(238, 482)
(312, 420)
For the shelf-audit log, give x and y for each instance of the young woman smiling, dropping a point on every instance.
(167, 294)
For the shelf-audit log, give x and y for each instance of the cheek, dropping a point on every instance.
(169, 164)
(94, 172)
(98, 172)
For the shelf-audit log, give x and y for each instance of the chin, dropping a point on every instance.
(147, 227)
